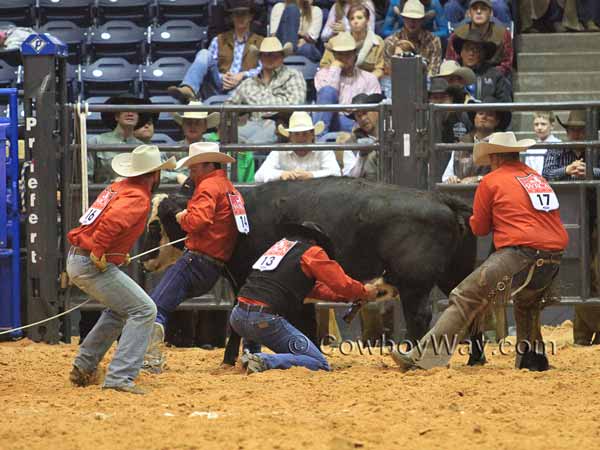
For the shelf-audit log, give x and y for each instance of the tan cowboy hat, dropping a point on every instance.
(576, 119)
(301, 121)
(413, 9)
(201, 152)
(143, 159)
(342, 42)
(501, 142)
(450, 67)
(272, 45)
(212, 119)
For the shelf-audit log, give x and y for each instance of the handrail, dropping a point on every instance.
(524, 106)
(549, 145)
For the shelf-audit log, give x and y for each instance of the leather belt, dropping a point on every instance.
(543, 256)
(254, 308)
(215, 261)
(78, 251)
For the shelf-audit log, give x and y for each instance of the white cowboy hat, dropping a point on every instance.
(212, 119)
(143, 159)
(301, 121)
(272, 45)
(413, 9)
(501, 142)
(450, 67)
(342, 42)
(201, 152)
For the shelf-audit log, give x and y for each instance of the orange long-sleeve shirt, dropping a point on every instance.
(209, 222)
(119, 225)
(503, 206)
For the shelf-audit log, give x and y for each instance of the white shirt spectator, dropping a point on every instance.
(534, 157)
(319, 164)
(312, 28)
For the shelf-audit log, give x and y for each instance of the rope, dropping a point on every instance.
(26, 165)
(84, 154)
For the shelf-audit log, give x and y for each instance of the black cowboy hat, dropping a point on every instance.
(238, 6)
(108, 118)
(489, 48)
(364, 99)
(441, 86)
(504, 117)
(310, 230)
(488, 3)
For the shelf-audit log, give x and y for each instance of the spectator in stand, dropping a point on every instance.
(541, 16)
(299, 23)
(12, 37)
(275, 85)
(586, 16)
(337, 20)
(476, 53)
(298, 164)
(543, 124)
(568, 165)
(220, 19)
(461, 168)
(195, 125)
(481, 14)
(369, 45)
(458, 76)
(457, 9)
(435, 19)
(341, 81)
(427, 45)
(226, 63)
(401, 49)
(454, 124)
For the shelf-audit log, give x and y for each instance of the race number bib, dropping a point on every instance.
(540, 192)
(97, 207)
(272, 257)
(239, 212)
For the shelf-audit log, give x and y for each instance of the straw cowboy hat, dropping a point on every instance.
(343, 42)
(212, 119)
(143, 159)
(108, 118)
(502, 142)
(452, 68)
(272, 45)
(301, 121)
(413, 9)
(201, 152)
(488, 47)
(576, 118)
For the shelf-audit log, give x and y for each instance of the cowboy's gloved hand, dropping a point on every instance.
(154, 230)
(127, 259)
(168, 207)
(99, 262)
(179, 215)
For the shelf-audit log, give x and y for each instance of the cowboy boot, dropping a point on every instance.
(582, 334)
(590, 25)
(154, 359)
(183, 94)
(570, 18)
(83, 378)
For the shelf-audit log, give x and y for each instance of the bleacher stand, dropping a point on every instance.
(308, 69)
(118, 38)
(177, 38)
(110, 76)
(137, 11)
(194, 10)
(165, 123)
(19, 12)
(77, 11)
(95, 125)
(71, 34)
(163, 73)
(8, 75)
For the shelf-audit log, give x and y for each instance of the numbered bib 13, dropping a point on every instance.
(239, 212)
(94, 211)
(540, 193)
(272, 257)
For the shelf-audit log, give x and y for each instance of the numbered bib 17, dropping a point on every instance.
(540, 193)
(94, 211)
(272, 257)
(239, 212)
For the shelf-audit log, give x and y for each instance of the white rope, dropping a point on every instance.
(84, 154)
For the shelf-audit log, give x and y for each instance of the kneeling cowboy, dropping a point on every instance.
(296, 267)
(521, 209)
(108, 230)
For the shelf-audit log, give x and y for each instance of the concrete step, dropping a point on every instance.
(559, 96)
(558, 62)
(558, 42)
(557, 81)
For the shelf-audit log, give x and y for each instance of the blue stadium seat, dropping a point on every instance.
(137, 11)
(308, 70)
(119, 38)
(194, 10)
(11, 57)
(73, 85)
(177, 38)
(20, 12)
(162, 139)
(216, 99)
(94, 120)
(70, 34)
(110, 76)
(166, 124)
(76, 11)
(6, 24)
(8, 75)
(163, 73)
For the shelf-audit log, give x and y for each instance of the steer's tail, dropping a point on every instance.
(462, 262)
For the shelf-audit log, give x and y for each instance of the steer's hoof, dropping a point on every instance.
(477, 359)
(404, 362)
(536, 362)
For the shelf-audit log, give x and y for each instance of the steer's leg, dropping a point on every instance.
(416, 306)
(232, 349)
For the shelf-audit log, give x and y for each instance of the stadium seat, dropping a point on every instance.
(119, 38)
(20, 12)
(216, 100)
(94, 120)
(73, 36)
(308, 70)
(137, 11)
(163, 73)
(110, 76)
(8, 75)
(11, 57)
(162, 139)
(177, 38)
(166, 124)
(194, 10)
(73, 85)
(6, 24)
(76, 11)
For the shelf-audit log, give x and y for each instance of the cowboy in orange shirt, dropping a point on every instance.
(212, 220)
(521, 209)
(108, 230)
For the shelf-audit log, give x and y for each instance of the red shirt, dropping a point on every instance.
(209, 222)
(119, 225)
(503, 206)
(332, 282)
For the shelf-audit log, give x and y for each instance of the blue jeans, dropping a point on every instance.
(289, 26)
(310, 51)
(190, 273)
(130, 313)
(456, 9)
(333, 121)
(291, 347)
(202, 66)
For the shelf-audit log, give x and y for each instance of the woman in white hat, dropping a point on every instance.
(519, 206)
(108, 230)
(298, 164)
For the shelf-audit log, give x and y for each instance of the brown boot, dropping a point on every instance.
(590, 25)
(184, 94)
(83, 378)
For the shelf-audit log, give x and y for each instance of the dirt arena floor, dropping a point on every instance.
(365, 403)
